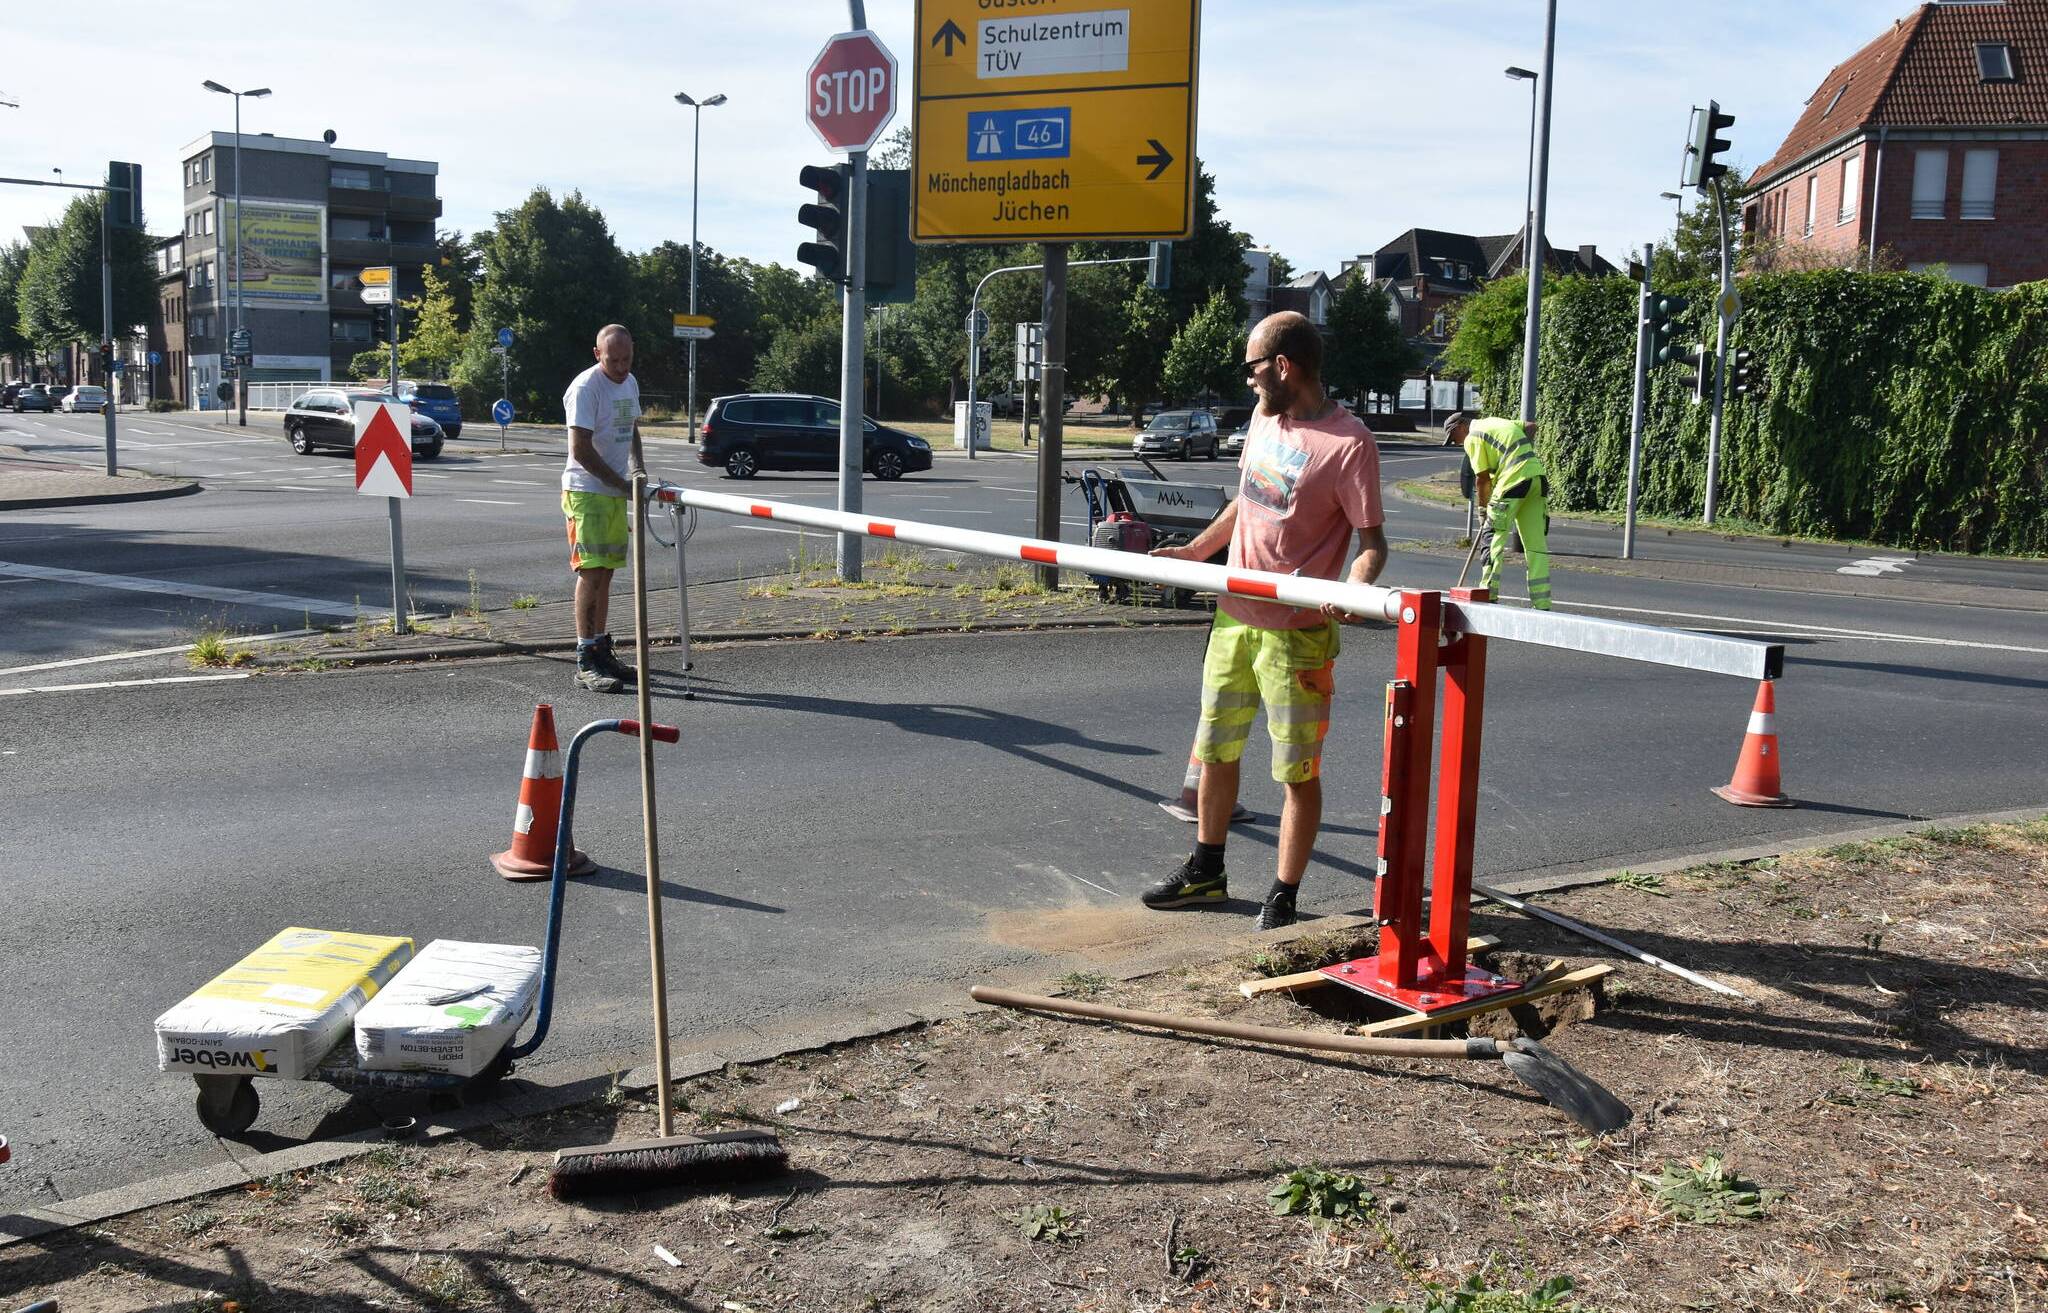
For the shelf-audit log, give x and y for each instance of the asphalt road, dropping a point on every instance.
(846, 824)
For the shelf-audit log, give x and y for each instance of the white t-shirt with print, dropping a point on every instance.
(609, 410)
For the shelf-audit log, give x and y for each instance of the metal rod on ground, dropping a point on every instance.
(1635, 422)
(1470, 552)
(1598, 937)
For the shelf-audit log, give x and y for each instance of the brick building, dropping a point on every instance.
(1932, 141)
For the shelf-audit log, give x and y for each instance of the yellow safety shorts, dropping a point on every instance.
(597, 530)
(1290, 672)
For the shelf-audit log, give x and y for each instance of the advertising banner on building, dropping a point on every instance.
(284, 253)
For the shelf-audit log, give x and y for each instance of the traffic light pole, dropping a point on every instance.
(107, 324)
(852, 362)
(1636, 408)
(1722, 317)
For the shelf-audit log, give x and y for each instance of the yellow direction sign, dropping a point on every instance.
(1071, 121)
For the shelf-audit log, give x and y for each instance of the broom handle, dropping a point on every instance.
(1297, 1039)
(652, 851)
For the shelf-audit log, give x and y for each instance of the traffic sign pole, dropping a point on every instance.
(1052, 401)
(852, 363)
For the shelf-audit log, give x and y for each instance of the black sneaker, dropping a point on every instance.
(1277, 912)
(593, 679)
(1186, 887)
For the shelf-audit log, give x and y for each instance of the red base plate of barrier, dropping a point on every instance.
(1434, 992)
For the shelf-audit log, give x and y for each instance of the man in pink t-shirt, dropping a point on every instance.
(1310, 476)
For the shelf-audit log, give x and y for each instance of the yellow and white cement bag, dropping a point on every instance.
(451, 1010)
(279, 1010)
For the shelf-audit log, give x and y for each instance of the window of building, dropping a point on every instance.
(206, 222)
(1812, 201)
(349, 175)
(206, 168)
(349, 330)
(1980, 183)
(1930, 183)
(1852, 188)
(1834, 100)
(1994, 62)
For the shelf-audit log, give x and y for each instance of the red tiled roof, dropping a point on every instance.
(1922, 72)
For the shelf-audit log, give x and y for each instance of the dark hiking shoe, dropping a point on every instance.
(1186, 887)
(591, 679)
(1277, 912)
(607, 661)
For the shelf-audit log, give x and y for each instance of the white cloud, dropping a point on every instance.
(1331, 125)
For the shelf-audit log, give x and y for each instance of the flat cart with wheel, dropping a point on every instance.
(1133, 514)
(229, 1104)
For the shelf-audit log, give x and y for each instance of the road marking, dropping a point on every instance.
(134, 584)
(1831, 631)
(1872, 566)
(123, 683)
(293, 487)
(521, 483)
(145, 652)
(210, 442)
(480, 501)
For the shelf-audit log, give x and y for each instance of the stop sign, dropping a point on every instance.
(850, 91)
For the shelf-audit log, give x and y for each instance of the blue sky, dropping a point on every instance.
(1331, 125)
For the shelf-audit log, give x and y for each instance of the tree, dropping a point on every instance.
(58, 295)
(1207, 355)
(13, 263)
(461, 268)
(804, 359)
(1694, 248)
(1211, 261)
(1137, 366)
(429, 343)
(553, 274)
(1366, 353)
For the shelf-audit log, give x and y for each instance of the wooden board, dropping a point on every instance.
(1311, 979)
(1543, 988)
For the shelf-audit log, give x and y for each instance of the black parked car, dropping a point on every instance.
(326, 417)
(757, 431)
(35, 396)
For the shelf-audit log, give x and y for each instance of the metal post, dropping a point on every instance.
(241, 371)
(504, 385)
(1052, 395)
(974, 339)
(852, 369)
(107, 321)
(1457, 810)
(399, 624)
(1722, 320)
(1636, 408)
(696, 137)
(676, 522)
(1404, 801)
(1533, 255)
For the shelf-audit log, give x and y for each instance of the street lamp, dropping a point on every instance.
(1679, 216)
(697, 108)
(241, 375)
(1539, 170)
(1528, 192)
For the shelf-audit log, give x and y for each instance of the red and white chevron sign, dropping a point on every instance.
(383, 449)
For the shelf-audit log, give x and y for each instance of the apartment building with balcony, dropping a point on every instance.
(314, 216)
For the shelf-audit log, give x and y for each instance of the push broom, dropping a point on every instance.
(669, 1161)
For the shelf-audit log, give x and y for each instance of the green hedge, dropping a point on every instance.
(1898, 408)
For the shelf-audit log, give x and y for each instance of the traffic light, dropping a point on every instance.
(1700, 165)
(1664, 312)
(1159, 269)
(891, 268)
(1740, 379)
(826, 217)
(124, 195)
(1699, 360)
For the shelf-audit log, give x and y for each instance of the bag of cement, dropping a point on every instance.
(279, 1010)
(451, 1010)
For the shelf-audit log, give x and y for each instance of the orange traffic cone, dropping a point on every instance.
(532, 854)
(1756, 782)
(1190, 790)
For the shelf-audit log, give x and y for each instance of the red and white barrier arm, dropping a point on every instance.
(1292, 590)
(1709, 653)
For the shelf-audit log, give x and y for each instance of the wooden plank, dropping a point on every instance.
(1542, 989)
(1311, 979)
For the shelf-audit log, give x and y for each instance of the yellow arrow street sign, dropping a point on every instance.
(1074, 120)
(695, 321)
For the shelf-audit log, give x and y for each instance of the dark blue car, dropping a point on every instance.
(437, 401)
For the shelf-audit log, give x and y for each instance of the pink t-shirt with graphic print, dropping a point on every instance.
(1304, 487)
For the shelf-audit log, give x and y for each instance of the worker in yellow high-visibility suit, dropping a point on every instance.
(1510, 484)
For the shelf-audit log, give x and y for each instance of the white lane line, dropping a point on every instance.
(123, 683)
(765, 528)
(155, 433)
(209, 442)
(293, 487)
(145, 652)
(1831, 631)
(419, 473)
(481, 501)
(134, 584)
(1005, 487)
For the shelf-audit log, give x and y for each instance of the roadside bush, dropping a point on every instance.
(1899, 408)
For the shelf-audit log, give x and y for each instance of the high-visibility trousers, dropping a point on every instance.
(1523, 507)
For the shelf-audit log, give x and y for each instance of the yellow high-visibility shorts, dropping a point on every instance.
(1290, 671)
(597, 530)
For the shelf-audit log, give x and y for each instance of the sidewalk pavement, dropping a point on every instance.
(31, 482)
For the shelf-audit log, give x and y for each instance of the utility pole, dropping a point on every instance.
(1637, 406)
(241, 370)
(1533, 247)
(1724, 315)
(1052, 401)
(697, 108)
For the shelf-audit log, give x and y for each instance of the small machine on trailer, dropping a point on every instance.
(1129, 514)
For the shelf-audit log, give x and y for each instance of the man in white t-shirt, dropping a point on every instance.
(603, 411)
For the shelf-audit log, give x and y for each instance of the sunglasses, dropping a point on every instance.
(1251, 367)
